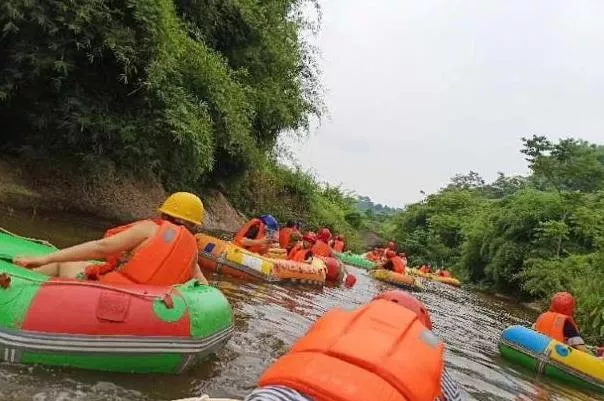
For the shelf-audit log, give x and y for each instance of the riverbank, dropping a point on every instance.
(120, 199)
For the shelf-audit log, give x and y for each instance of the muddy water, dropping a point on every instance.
(269, 318)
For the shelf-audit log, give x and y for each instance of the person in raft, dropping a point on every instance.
(425, 269)
(338, 243)
(321, 246)
(443, 272)
(288, 235)
(393, 262)
(334, 360)
(303, 251)
(258, 234)
(403, 258)
(161, 251)
(559, 323)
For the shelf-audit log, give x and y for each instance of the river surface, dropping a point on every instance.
(268, 319)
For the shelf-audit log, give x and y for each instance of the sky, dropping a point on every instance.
(420, 90)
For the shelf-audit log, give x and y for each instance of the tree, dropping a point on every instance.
(186, 92)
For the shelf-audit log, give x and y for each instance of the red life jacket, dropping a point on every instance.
(338, 245)
(321, 248)
(285, 236)
(397, 264)
(552, 325)
(302, 255)
(239, 238)
(335, 361)
(167, 258)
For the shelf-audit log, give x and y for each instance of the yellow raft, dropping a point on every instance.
(225, 257)
(397, 279)
(433, 277)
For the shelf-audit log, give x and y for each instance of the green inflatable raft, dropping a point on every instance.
(352, 259)
(91, 325)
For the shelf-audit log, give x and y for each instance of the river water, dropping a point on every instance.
(269, 318)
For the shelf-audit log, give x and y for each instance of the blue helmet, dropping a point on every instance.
(271, 223)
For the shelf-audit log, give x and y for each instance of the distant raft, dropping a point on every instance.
(397, 279)
(355, 260)
(225, 257)
(433, 277)
(552, 358)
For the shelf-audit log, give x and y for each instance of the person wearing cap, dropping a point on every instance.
(559, 322)
(258, 234)
(302, 252)
(161, 251)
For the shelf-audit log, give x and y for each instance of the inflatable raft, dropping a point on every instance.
(545, 355)
(224, 257)
(88, 325)
(355, 260)
(400, 280)
(433, 277)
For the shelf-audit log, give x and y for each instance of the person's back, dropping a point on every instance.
(321, 247)
(558, 322)
(167, 257)
(406, 364)
(155, 252)
(394, 262)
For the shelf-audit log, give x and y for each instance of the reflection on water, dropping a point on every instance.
(269, 318)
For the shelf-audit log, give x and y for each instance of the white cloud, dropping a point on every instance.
(421, 90)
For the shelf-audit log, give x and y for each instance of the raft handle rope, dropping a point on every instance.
(36, 240)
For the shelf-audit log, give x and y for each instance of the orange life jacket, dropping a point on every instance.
(302, 255)
(167, 258)
(335, 362)
(243, 230)
(338, 245)
(397, 264)
(424, 269)
(320, 248)
(444, 273)
(292, 252)
(552, 325)
(285, 237)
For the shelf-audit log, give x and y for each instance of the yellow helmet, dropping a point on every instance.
(185, 206)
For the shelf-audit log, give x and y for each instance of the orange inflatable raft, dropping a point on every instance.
(400, 280)
(225, 257)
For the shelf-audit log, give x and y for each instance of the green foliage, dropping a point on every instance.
(431, 231)
(188, 91)
(529, 236)
(366, 205)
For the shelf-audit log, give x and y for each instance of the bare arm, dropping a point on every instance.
(97, 249)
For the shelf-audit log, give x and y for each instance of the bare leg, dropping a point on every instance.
(64, 269)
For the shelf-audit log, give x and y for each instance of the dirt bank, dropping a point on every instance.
(118, 198)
